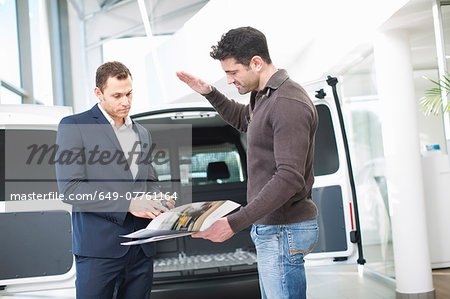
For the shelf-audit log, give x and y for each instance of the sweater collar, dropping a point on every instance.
(277, 79)
(274, 83)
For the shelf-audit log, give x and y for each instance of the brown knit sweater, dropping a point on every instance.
(281, 123)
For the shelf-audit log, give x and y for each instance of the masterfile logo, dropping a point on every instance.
(51, 154)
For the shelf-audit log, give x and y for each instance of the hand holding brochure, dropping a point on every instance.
(182, 221)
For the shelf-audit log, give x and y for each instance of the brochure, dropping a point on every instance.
(182, 221)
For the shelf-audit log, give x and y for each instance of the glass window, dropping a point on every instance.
(216, 164)
(208, 164)
(40, 51)
(445, 8)
(362, 111)
(326, 160)
(23, 172)
(9, 97)
(134, 53)
(162, 170)
(9, 58)
(2, 165)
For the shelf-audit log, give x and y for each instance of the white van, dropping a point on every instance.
(35, 251)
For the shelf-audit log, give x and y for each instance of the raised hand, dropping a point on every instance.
(197, 84)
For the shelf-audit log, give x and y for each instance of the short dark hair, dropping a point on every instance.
(242, 44)
(113, 69)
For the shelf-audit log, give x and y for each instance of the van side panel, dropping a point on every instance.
(35, 244)
(332, 236)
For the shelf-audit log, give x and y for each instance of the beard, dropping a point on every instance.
(241, 89)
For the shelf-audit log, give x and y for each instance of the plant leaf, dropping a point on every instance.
(431, 102)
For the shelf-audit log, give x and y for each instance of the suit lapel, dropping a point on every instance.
(105, 126)
(144, 139)
(107, 130)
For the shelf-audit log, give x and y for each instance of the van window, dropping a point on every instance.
(26, 163)
(2, 165)
(216, 164)
(326, 160)
(162, 170)
(205, 165)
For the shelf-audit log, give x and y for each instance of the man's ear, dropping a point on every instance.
(98, 93)
(256, 63)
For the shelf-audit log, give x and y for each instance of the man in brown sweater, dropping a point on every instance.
(281, 123)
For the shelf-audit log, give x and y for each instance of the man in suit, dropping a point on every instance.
(104, 172)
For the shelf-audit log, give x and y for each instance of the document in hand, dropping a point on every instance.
(182, 221)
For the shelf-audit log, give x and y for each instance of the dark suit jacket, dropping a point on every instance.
(82, 171)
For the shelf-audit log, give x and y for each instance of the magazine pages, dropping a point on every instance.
(182, 221)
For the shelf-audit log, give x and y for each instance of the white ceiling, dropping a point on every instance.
(110, 19)
(167, 17)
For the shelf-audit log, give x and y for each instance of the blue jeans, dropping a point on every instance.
(280, 250)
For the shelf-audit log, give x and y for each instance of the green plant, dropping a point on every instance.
(431, 103)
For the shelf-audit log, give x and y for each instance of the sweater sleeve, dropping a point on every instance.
(234, 113)
(292, 122)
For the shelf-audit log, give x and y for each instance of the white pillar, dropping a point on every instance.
(403, 164)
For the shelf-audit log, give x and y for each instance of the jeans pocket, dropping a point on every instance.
(267, 244)
(267, 231)
(301, 240)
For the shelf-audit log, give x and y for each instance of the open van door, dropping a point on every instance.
(35, 231)
(334, 190)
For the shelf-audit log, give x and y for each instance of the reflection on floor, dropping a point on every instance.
(347, 282)
(380, 258)
(56, 294)
(335, 282)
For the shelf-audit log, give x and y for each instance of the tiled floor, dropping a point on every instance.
(343, 282)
